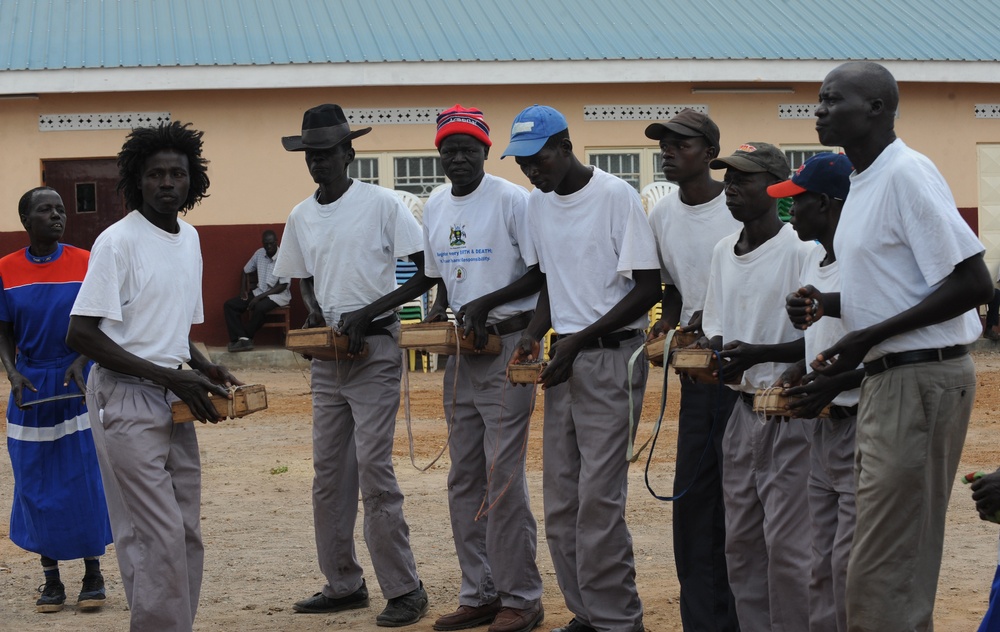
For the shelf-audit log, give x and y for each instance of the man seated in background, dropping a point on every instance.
(271, 292)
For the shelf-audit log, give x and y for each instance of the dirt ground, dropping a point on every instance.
(258, 533)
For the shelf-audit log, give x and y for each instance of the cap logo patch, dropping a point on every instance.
(747, 148)
(520, 128)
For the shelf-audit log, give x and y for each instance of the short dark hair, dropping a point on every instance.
(24, 204)
(143, 142)
(268, 233)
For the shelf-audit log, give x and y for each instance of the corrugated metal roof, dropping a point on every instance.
(71, 34)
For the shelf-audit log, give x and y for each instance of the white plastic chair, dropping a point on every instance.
(654, 192)
(412, 202)
(439, 188)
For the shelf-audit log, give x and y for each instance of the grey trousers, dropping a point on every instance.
(765, 474)
(832, 511)
(354, 419)
(585, 484)
(152, 480)
(497, 552)
(911, 427)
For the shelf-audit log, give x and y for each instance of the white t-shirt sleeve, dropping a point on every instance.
(937, 234)
(519, 228)
(291, 262)
(657, 223)
(100, 292)
(199, 308)
(430, 261)
(407, 236)
(636, 246)
(711, 316)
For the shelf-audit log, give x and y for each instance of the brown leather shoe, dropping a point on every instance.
(468, 616)
(518, 620)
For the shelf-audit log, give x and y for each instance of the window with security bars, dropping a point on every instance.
(418, 175)
(624, 165)
(638, 166)
(657, 170)
(798, 155)
(364, 169)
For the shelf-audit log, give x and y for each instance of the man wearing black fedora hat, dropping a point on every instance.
(343, 242)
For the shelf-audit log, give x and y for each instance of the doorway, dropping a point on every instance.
(87, 188)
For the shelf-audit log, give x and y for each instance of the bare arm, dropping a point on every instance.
(439, 310)
(670, 315)
(475, 313)
(968, 286)
(355, 324)
(17, 381)
(192, 387)
(528, 348)
(315, 312)
(639, 299)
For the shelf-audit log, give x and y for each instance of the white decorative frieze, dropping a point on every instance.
(660, 112)
(797, 110)
(988, 110)
(392, 116)
(100, 120)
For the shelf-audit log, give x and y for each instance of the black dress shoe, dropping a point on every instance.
(404, 610)
(574, 626)
(320, 603)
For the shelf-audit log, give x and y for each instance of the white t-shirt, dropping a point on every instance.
(685, 236)
(746, 298)
(145, 286)
(826, 331)
(479, 243)
(349, 247)
(900, 235)
(589, 243)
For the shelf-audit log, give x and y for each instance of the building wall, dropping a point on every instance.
(255, 182)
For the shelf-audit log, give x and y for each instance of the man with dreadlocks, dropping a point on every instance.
(133, 317)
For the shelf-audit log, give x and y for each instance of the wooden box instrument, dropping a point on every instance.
(246, 399)
(654, 348)
(772, 402)
(321, 343)
(699, 364)
(444, 339)
(526, 373)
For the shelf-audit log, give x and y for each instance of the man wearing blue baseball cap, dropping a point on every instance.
(596, 296)
(818, 190)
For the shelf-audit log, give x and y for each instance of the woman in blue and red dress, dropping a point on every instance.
(59, 510)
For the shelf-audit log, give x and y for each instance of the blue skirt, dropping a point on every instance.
(59, 509)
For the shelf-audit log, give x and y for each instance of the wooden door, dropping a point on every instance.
(87, 187)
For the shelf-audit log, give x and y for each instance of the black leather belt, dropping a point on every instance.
(747, 398)
(378, 327)
(843, 412)
(609, 341)
(512, 324)
(893, 360)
